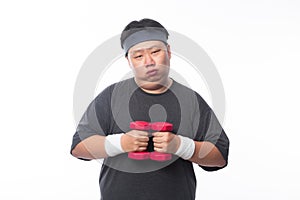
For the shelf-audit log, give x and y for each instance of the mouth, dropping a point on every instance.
(152, 72)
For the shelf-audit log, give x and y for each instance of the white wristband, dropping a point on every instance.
(186, 148)
(112, 144)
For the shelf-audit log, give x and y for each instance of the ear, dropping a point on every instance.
(129, 63)
(169, 51)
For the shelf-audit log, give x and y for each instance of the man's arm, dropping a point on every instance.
(91, 148)
(207, 154)
(94, 146)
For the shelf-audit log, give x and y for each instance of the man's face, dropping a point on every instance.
(150, 61)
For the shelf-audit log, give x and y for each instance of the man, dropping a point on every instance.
(151, 96)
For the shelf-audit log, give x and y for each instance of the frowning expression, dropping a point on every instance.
(150, 61)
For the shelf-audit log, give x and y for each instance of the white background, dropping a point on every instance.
(254, 45)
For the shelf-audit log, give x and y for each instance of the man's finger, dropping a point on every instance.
(158, 134)
(138, 134)
(143, 139)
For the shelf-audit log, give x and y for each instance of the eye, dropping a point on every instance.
(138, 56)
(156, 51)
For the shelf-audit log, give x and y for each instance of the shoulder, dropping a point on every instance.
(109, 90)
(190, 94)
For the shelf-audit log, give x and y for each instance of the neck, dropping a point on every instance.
(155, 87)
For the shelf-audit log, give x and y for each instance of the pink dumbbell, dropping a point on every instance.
(139, 155)
(161, 127)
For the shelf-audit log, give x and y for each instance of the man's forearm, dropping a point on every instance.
(207, 154)
(91, 148)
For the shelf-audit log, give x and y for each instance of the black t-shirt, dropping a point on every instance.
(111, 113)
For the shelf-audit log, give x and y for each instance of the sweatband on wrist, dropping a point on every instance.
(112, 145)
(186, 148)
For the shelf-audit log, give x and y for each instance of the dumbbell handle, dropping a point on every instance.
(145, 126)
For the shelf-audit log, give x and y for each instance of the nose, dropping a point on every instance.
(149, 61)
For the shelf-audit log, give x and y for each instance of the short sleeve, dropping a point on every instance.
(210, 130)
(95, 120)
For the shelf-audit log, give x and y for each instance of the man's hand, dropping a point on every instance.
(134, 140)
(165, 142)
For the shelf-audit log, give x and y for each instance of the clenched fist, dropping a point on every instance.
(134, 140)
(165, 142)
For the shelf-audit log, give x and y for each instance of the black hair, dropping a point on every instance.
(136, 26)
